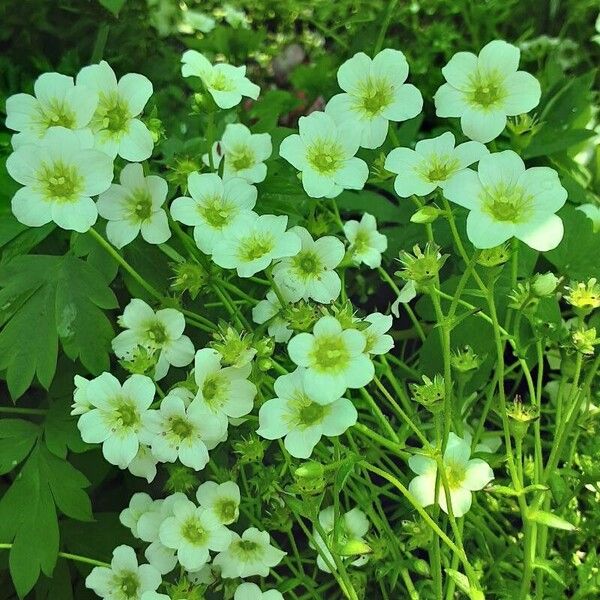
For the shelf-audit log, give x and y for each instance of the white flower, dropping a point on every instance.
(60, 174)
(176, 432)
(431, 164)
(139, 504)
(224, 392)
(144, 464)
(482, 90)
(215, 208)
(506, 200)
(301, 420)
(323, 152)
(134, 205)
(193, 531)
(353, 526)
(464, 476)
(58, 102)
(197, 21)
(116, 421)
(248, 555)
(125, 580)
(592, 211)
(270, 309)
(163, 559)
(333, 358)
(160, 332)
(115, 124)
(377, 340)
(225, 83)
(243, 153)
(81, 403)
(375, 94)
(222, 500)
(250, 591)
(234, 17)
(254, 243)
(311, 272)
(366, 243)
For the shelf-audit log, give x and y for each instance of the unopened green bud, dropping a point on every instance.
(180, 170)
(310, 470)
(141, 362)
(427, 214)
(189, 277)
(251, 450)
(493, 257)
(354, 547)
(301, 316)
(584, 340)
(422, 266)
(520, 416)
(346, 315)
(544, 285)
(235, 348)
(181, 479)
(465, 360)
(430, 393)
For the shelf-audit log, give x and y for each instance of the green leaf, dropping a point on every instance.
(60, 431)
(17, 438)
(550, 520)
(269, 108)
(113, 6)
(28, 514)
(42, 298)
(550, 140)
(545, 565)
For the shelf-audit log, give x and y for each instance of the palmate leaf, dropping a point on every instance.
(42, 299)
(28, 514)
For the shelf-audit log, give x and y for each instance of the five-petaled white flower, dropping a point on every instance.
(248, 555)
(351, 529)
(160, 332)
(225, 83)
(333, 358)
(250, 591)
(464, 476)
(58, 102)
(60, 174)
(134, 206)
(507, 200)
(224, 392)
(215, 208)
(378, 340)
(323, 152)
(139, 504)
(179, 432)
(255, 243)
(192, 531)
(366, 243)
(270, 309)
(310, 274)
(432, 163)
(125, 579)
(243, 153)
(375, 94)
(301, 420)
(115, 124)
(222, 500)
(116, 420)
(483, 90)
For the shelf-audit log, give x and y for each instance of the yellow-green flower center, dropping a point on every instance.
(325, 156)
(129, 584)
(126, 414)
(455, 474)
(246, 550)
(157, 334)
(256, 246)
(508, 204)
(140, 205)
(193, 532)
(226, 509)
(216, 211)
(241, 158)
(306, 413)
(307, 264)
(55, 113)
(487, 91)
(221, 83)
(181, 427)
(213, 390)
(438, 168)
(375, 96)
(60, 182)
(112, 113)
(330, 354)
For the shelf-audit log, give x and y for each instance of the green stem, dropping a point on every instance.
(17, 410)
(74, 557)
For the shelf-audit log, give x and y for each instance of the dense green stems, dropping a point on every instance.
(385, 423)
(396, 448)
(74, 557)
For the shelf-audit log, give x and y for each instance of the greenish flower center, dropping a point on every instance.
(140, 203)
(216, 211)
(362, 242)
(221, 83)
(60, 182)
(226, 509)
(193, 532)
(508, 204)
(307, 264)
(113, 113)
(181, 427)
(55, 114)
(325, 156)
(488, 91)
(241, 158)
(438, 168)
(157, 334)
(375, 96)
(455, 474)
(246, 550)
(213, 390)
(256, 246)
(129, 584)
(329, 354)
(126, 414)
(307, 413)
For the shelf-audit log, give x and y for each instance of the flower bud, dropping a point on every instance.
(584, 340)
(427, 214)
(493, 257)
(251, 450)
(421, 267)
(544, 285)
(354, 547)
(520, 417)
(584, 297)
(189, 277)
(430, 394)
(235, 348)
(181, 479)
